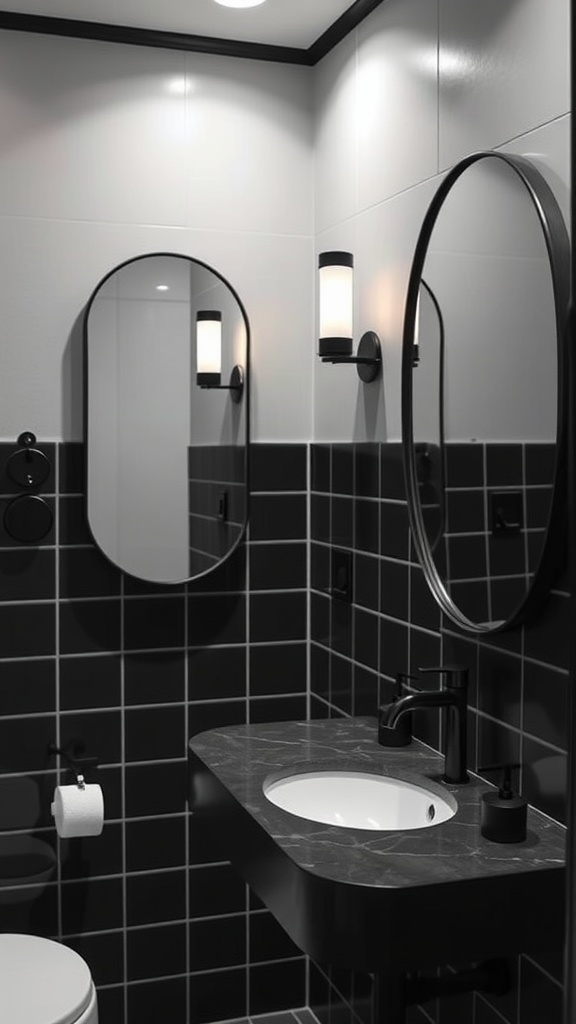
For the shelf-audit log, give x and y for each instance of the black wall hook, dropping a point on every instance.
(28, 467)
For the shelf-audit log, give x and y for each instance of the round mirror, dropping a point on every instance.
(483, 392)
(166, 345)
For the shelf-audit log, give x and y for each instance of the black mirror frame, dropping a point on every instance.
(245, 401)
(558, 247)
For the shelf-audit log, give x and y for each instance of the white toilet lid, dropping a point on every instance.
(41, 982)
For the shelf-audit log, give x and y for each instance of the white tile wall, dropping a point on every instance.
(421, 84)
(249, 147)
(504, 69)
(92, 131)
(111, 151)
(336, 134)
(397, 99)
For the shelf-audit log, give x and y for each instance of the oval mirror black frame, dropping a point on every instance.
(244, 399)
(558, 249)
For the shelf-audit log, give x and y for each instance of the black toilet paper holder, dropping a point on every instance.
(73, 754)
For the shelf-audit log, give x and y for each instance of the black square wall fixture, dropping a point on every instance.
(342, 575)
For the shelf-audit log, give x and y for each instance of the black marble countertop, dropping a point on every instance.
(244, 757)
(369, 900)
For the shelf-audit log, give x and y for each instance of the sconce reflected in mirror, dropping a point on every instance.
(167, 461)
(336, 306)
(209, 355)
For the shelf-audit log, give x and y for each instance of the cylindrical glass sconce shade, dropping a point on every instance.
(416, 342)
(208, 347)
(336, 289)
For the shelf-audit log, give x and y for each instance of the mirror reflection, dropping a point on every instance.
(484, 392)
(166, 458)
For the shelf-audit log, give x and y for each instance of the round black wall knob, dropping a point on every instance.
(28, 467)
(28, 519)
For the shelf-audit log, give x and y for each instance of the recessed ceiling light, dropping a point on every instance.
(162, 288)
(239, 3)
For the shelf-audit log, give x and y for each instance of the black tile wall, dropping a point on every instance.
(217, 502)
(490, 565)
(518, 680)
(169, 930)
(135, 669)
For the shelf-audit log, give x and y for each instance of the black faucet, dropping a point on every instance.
(453, 697)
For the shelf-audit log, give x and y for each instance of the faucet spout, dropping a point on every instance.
(435, 699)
(454, 699)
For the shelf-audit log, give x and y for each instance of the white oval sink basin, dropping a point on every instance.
(355, 799)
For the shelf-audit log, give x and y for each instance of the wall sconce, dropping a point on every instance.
(209, 355)
(336, 274)
(416, 342)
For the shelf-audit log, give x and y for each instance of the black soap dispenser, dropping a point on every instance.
(504, 813)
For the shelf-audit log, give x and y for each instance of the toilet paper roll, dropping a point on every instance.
(78, 811)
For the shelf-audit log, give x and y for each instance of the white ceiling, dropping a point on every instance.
(276, 22)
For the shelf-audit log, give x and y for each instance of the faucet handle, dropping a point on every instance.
(456, 675)
(401, 678)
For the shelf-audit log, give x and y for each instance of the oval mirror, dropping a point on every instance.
(484, 392)
(166, 435)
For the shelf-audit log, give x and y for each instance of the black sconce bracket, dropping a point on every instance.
(236, 385)
(368, 358)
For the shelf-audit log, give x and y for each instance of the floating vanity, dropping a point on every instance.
(384, 901)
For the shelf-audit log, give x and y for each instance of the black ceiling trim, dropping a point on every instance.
(150, 37)
(101, 32)
(341, 27)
